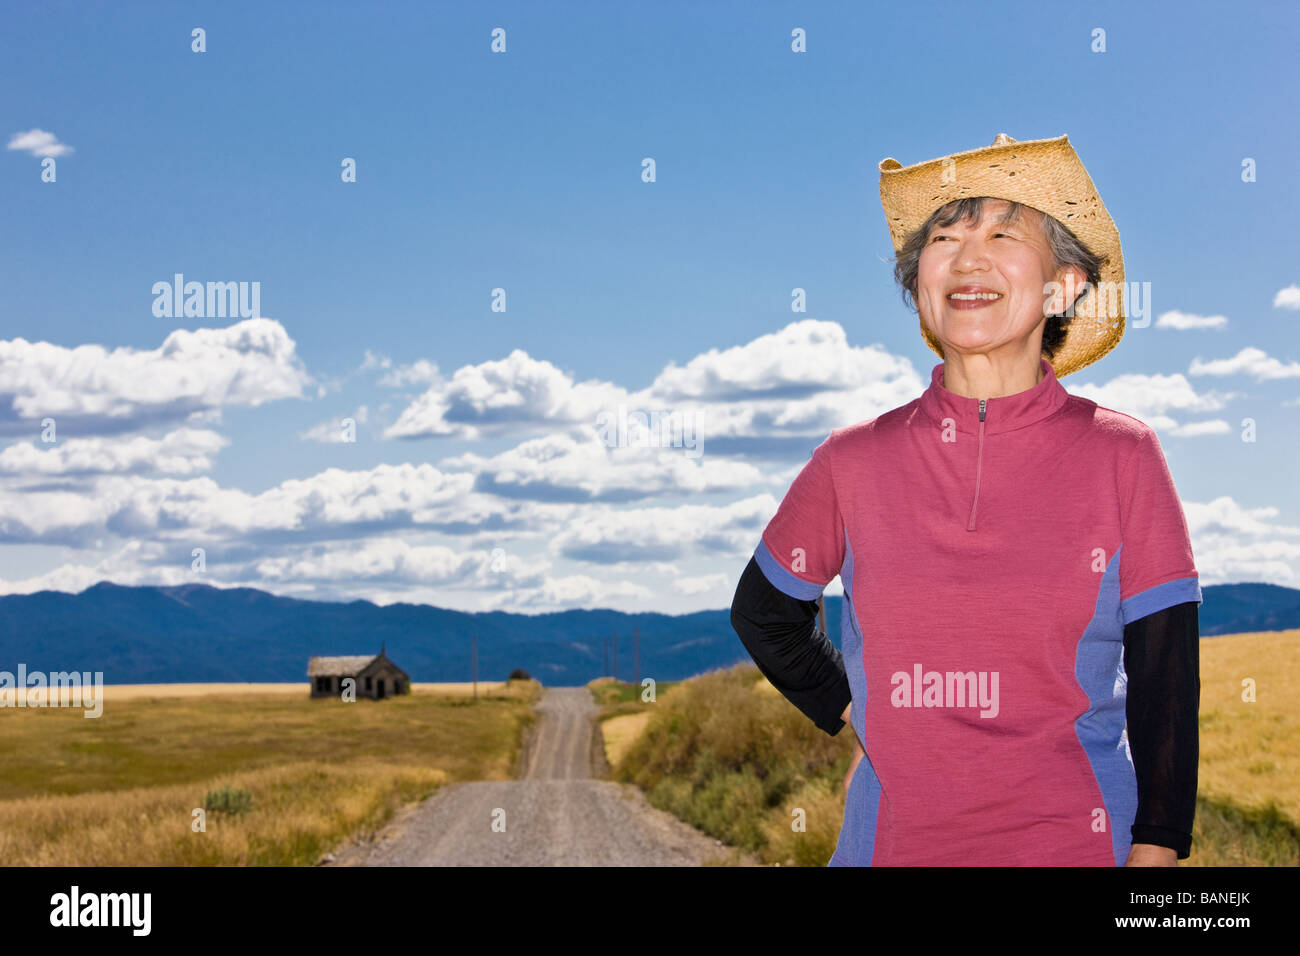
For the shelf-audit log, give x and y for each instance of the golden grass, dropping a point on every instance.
(299, 811)
(317, 769)
(1250, 752)
(619, 732)
(120, 692)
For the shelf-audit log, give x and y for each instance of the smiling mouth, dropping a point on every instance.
(966, 301)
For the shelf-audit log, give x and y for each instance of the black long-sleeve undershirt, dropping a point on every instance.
(1161, 660)
(780, 633)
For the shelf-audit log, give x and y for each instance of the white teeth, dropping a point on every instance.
(968, 296)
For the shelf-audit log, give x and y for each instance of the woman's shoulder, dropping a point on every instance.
(870, 429)
(1107, 423)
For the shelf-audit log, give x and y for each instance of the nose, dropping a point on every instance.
(972, 255)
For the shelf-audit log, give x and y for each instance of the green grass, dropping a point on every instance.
(623, 697)
(739, 765)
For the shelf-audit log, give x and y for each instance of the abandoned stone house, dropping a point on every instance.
(376, 676)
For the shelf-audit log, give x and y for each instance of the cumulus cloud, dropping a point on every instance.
(38, 142)
(397, 561)
(1237, 543)
(1254, 362)
(337, 431)
(1288, 298)
(602, 535)
(768, 396)
(332, 504)
(1210, 426)
(580, 466)
(1186, 320)
(501, 395)
(1151, 398)
(804, 358)
(90, 389)
(579, 590)
(185, 451)
(702, 583)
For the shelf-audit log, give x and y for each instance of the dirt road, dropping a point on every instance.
(557, 815)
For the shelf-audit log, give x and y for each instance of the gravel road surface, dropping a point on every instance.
(557, 815)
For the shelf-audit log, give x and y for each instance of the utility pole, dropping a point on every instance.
(636, 655)
(475, 657)
(604, 648)
(616, 655)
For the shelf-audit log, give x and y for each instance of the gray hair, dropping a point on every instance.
(1067, 250)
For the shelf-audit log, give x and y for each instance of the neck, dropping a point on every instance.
(976, 376)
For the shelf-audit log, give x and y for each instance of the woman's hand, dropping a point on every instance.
(858, 752)
(1148, 854)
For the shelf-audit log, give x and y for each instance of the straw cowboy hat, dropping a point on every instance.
(1045, 174)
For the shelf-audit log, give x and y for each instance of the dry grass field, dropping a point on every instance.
(1250, 751)
(120, 692)
(619, 732)
(121, 789)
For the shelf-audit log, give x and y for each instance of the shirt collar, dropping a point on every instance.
(1002, 414)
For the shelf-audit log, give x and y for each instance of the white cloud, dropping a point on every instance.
(419, 372)
(1150, 398)
(185, 451)
(579, 466)
(1215, 426)
(1235, 543)
(803, 380)
(101, 391)
(1187, 320)
(1288, 298)
(332, 431)
(38, 142)
(332, 504)
(397, 561)
(701, 584)
(600, 535)
(502, 395)
(805, 357)
(580, 590)
(1254, 362)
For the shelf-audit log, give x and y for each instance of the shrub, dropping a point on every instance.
(228, 800)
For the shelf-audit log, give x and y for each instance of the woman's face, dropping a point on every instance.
(1005, 265)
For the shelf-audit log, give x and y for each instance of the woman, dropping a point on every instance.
(1019, 624)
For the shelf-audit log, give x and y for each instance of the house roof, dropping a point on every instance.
(348, 666)
(338, 666)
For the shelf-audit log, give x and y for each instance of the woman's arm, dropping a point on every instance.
(1162, 660)
(780, 633)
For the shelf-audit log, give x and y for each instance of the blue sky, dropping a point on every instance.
(473, 480)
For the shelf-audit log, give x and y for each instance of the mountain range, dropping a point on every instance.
(200, 633)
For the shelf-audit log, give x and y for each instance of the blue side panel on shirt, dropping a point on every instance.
(857, 842)
(780, 578)
(1099, 668)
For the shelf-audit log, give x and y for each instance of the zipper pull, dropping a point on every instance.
(982, 401)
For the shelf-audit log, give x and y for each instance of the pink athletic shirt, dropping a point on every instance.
(991, 552)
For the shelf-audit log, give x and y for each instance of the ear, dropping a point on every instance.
(1071, 281)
